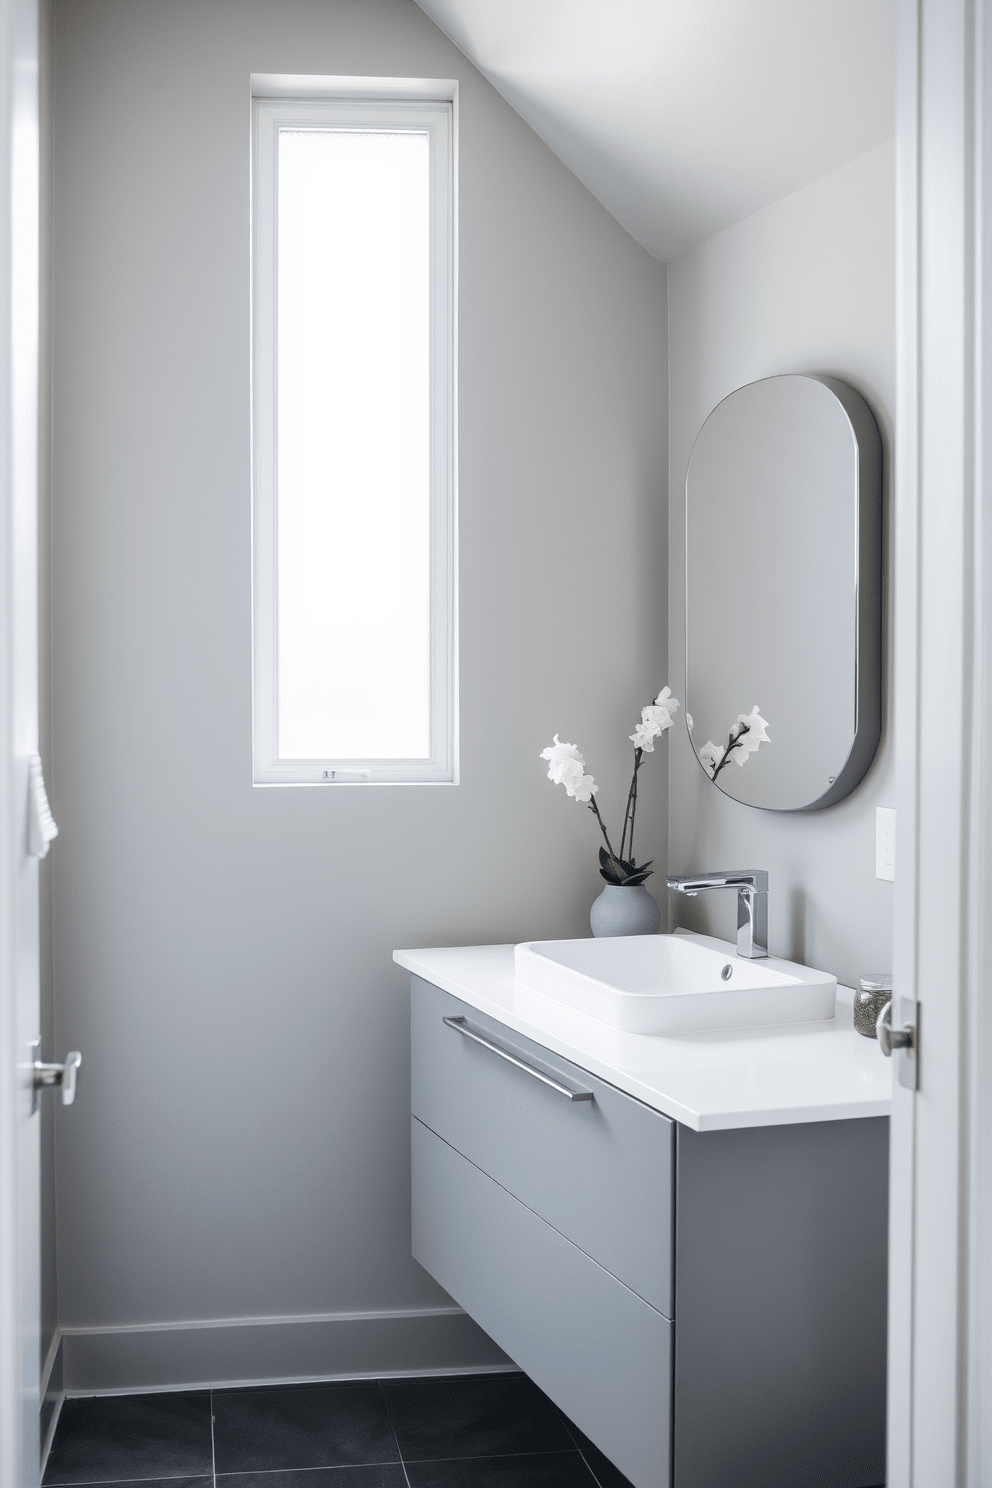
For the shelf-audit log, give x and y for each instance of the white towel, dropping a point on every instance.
(41, 823)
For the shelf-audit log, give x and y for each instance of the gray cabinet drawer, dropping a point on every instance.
(603, 1355)
(598, 1171)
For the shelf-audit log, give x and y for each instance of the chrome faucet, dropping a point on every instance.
(752, 903)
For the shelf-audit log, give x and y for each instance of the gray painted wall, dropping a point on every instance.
(240, 1142)
(806, 285)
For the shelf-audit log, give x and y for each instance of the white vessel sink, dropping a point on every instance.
(672, 983)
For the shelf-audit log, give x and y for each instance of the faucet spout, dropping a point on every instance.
(752, 903)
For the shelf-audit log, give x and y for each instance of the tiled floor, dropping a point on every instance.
(463, 1431)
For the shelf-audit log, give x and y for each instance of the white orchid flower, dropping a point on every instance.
(584, 789)
(710, 756)
(688, 719)
(660, 717)
(655, 719)
(643, 735)
(646, 731)
(662, 711)
(558, 754)
(755, 735)
(568, 773)
(750, 732)
(566, 767)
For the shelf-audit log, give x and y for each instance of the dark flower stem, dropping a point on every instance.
(631, 807)
(732, 743)
(602, 826)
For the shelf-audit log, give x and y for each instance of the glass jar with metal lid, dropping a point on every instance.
(872, 995)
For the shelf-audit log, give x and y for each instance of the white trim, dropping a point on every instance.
(302, 85)
(375, 103)
(240, 1381)
(978, 1012)
(906, 665)
(11, 1344)
(940, 1411)
(101, 1330)
(19, 934)
(211, 1353)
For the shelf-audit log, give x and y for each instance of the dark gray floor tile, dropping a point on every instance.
(199, 1482)
(296, 1426)
(601, 1467)
(578, 1437)
(386, 1475)
(122, 1438)
(529, 1470)
(606, 1475)
(479, 1415)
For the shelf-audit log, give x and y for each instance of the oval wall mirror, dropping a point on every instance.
(783, 590)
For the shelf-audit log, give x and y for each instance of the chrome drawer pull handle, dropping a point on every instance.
(460, 1026)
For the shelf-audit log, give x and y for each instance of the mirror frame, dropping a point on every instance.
(868, 584)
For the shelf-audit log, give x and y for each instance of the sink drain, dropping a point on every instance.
(727, 972)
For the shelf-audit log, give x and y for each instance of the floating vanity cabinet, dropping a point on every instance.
(549, 1219)
(708, 1307)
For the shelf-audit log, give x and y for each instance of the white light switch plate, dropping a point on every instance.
(885, 843)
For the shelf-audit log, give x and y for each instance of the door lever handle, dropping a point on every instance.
(60, 1076)
(890, 1038)
(903, 1042)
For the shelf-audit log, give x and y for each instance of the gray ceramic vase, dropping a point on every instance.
(621, 910)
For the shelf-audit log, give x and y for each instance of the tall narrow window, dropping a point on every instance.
(353, 432)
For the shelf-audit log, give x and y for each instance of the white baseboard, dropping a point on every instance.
(219, 1352)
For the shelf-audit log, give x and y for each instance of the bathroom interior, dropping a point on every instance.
(657, 205)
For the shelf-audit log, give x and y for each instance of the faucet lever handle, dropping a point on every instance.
(752, 922)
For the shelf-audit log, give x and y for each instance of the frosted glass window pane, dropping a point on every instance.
(354, 449)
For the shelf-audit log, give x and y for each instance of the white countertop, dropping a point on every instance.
(711, 1081)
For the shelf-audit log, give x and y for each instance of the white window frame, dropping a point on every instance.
(293, 102)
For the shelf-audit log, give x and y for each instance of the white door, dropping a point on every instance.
(940, 1380)
(20, 1363)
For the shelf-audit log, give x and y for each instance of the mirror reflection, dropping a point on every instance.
(783, 559)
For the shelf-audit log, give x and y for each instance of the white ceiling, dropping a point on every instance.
(684, 116)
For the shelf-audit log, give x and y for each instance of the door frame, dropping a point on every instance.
(940, 1242)
(10, 1433)
(19, 688)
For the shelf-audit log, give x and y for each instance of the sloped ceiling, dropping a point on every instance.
(684, 116)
